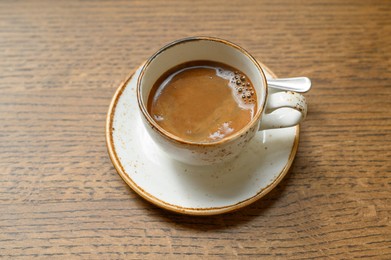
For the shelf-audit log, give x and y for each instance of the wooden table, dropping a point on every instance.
(60, 196)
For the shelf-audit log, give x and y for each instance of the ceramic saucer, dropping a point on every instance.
(193, 190)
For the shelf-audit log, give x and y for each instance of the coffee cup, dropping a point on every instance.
(274, 109)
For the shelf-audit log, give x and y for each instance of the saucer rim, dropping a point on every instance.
(175, 208)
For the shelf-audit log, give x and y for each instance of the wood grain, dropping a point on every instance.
(60, 196)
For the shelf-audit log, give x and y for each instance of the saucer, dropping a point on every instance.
(187, 189)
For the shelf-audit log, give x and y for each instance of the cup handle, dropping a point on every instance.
(283, 109)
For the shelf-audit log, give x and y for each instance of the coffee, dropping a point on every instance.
(202, 101)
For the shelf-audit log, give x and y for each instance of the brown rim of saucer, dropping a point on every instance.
(175, 138)
(175, 208)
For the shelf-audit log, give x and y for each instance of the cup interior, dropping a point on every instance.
(200, 48)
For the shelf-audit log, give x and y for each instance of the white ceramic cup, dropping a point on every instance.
(275, 110)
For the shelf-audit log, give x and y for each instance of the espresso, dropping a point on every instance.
(202, 101)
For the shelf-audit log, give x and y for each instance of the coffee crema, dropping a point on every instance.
(202, 101)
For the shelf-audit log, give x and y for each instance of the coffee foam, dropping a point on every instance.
(224, 130)
(230, 76)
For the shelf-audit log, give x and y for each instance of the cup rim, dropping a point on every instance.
(177, 139)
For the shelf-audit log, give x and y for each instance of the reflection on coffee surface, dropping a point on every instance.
(202, 101)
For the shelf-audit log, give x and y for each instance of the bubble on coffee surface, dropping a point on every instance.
(158, 117)
(241, 86)
(242, 89)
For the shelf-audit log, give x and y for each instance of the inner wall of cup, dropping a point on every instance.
(201, 50)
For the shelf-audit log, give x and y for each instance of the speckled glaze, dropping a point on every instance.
(269, 114)
(188, 189)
